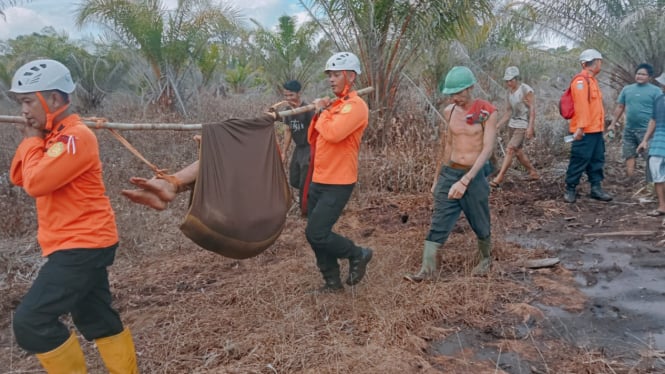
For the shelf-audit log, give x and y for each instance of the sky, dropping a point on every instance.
(34, 15)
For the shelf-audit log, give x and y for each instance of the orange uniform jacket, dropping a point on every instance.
(588, 101)
(63, 173)
(339, 130)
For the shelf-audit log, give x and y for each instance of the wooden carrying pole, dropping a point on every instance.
(102, 124)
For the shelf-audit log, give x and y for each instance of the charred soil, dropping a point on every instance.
(600, 310)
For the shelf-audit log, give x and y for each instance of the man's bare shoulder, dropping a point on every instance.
(448, 108)
(447, 111)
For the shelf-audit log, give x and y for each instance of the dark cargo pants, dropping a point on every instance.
(474, 204)
(298, 169)
(71, 281)
(325, 203)
(586, 155)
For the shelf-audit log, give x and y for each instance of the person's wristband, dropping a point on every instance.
(462, 181)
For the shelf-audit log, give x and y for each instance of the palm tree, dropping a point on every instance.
(100, 73)
(387, 35)
(172, 42)
(4, 4)
(240, 75)
(290, 52)
(95, 74)
(509, 38)
(626, 32)
(487, 48)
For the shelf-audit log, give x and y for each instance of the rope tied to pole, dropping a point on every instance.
(103, 123)
(100, 123)
(169, 126)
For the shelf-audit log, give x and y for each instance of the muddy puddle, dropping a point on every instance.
(624, 280)
(624, 317)
(510, 362)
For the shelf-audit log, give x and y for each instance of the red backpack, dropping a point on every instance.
(566, 103)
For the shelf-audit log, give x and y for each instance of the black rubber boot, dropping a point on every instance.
(358, 266)
(570, 196)
(331, 285)
(331, 279)
(598, 194)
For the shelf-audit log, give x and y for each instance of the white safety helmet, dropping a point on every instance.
(42, 75)
(589, 55)
(343, 61)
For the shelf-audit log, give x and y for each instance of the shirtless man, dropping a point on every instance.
(461, 184)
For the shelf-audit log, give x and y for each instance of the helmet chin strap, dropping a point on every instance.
(50, 116)
(347, 85)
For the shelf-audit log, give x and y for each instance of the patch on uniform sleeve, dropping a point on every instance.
(56, 149)
(579, 85)
(346, 108)
(70, 140)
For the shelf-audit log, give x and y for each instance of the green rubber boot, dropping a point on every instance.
(428, 268)
(485, 248)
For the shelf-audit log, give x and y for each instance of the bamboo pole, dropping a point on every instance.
(102, 124)
(311, 107)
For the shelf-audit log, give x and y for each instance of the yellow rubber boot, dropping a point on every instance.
(118, 353)
(66, 359)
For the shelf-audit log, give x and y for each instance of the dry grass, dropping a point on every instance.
(192, 311)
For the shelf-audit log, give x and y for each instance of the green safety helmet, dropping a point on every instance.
(458, 79)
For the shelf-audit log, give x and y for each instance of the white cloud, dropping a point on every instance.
(33, 16)
(20, 21)
(256, 4)
(266, 12)
(302, 17)
(37, 14)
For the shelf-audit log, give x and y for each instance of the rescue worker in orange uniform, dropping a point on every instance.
(58, 164)
(587, 153)
(334, 136)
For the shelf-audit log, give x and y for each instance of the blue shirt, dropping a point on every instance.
(657, 145)
(638, 100)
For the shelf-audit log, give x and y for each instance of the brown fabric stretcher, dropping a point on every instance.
(241, 196)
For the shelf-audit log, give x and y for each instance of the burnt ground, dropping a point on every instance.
(614, 252)
(600, 310)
